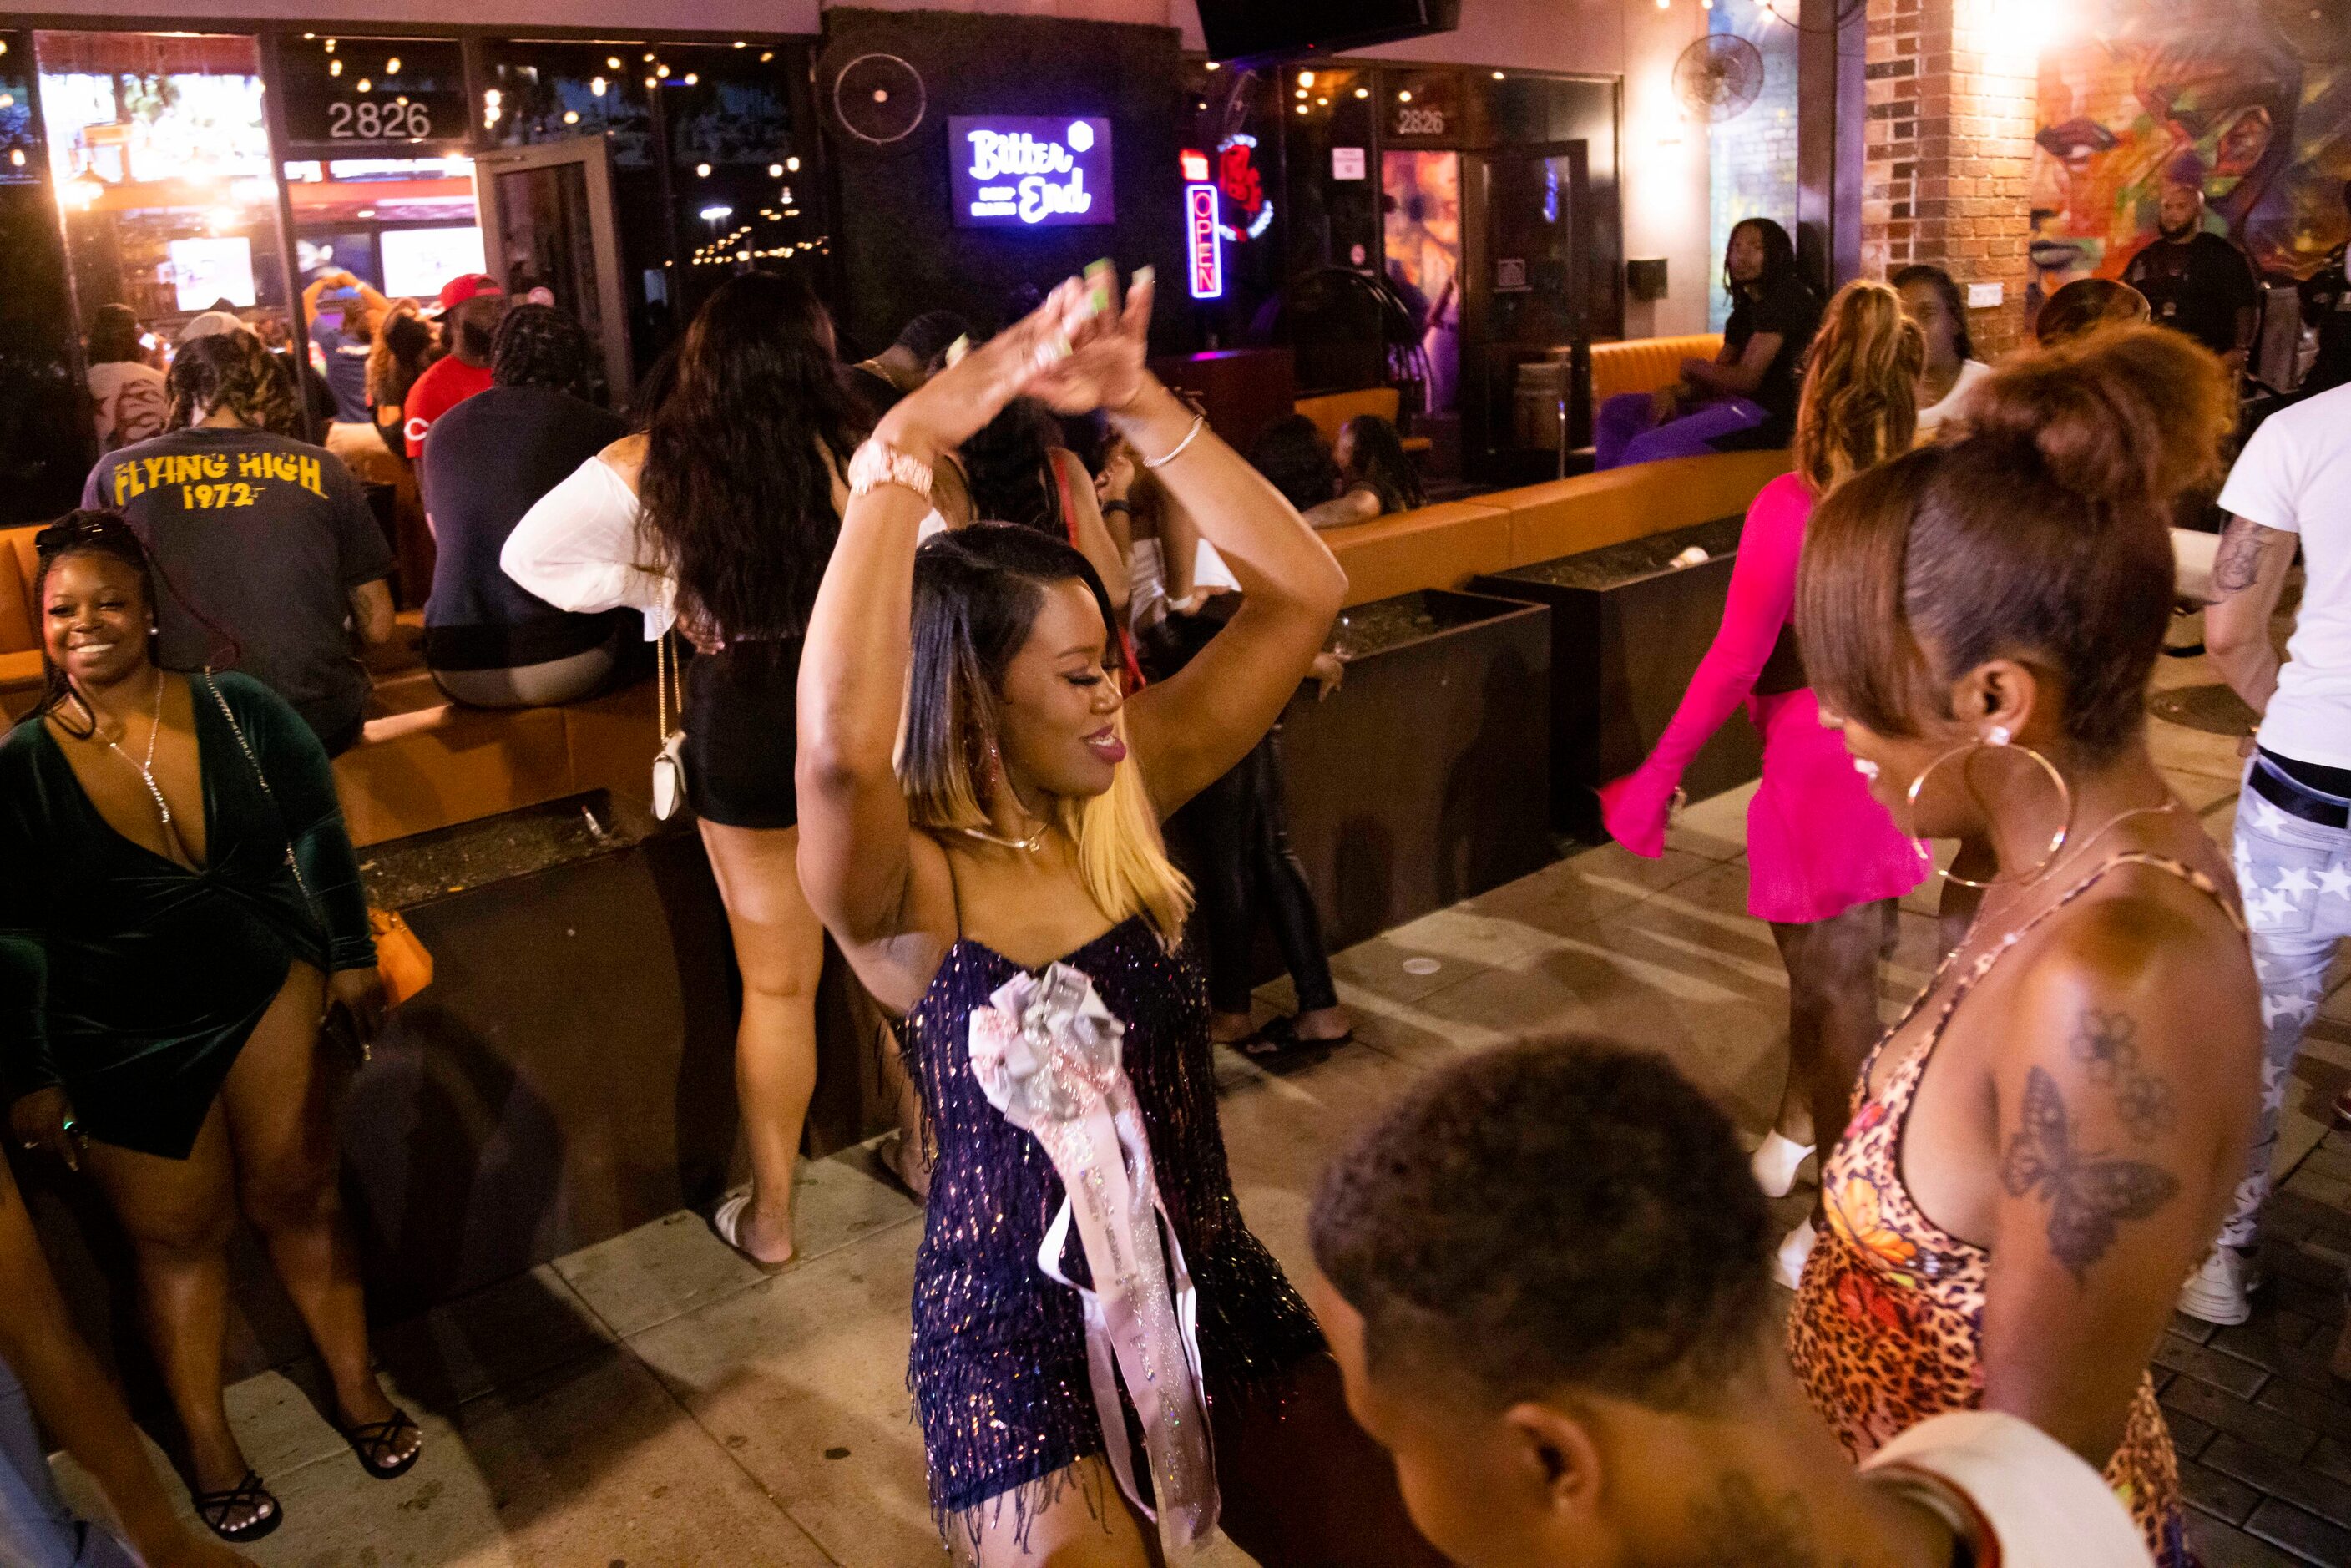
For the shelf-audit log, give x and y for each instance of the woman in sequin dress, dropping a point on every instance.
(1017, 830)
(2040, 1152)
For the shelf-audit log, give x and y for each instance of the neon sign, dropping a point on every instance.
(1205, 242)
(1029, 171)
(1238, 177)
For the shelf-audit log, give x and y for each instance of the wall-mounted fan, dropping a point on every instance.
(879, 99)
(1719, 77)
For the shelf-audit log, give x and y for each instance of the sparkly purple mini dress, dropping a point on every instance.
(998, 1368)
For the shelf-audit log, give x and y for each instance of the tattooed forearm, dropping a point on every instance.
(2237, 564)
(2089, 1194)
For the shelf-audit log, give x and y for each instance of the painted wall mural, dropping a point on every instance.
(2249, 99)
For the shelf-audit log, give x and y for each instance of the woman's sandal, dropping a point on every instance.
(728, 1223)
(1280, 1041)
(371, 1440)
(215, 1508)
(901, 1165)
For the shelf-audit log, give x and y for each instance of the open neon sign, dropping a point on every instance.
(1029, 171)
(1206, 242)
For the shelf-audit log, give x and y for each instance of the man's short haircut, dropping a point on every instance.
(927, 336)
(1549, 1216)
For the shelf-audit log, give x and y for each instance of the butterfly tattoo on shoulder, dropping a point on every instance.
(2090, 1195)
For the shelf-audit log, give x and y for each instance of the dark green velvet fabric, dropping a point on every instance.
(132, 981)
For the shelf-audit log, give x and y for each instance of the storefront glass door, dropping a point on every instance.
(547, 213)
(1526, 311)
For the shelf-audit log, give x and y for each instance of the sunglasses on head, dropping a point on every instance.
(72, 533)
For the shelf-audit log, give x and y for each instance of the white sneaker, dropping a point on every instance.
(2221, 1289)
(1775, 1162)
(1788, 1263)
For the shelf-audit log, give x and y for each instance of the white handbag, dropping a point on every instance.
(669, 762)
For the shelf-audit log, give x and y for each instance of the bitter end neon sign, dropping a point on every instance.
(1205, 242)
(1030, 171)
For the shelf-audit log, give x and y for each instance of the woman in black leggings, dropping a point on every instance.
(1236, 832)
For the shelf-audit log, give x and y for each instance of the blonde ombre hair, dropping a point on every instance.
(1860, 405)
(977, 594)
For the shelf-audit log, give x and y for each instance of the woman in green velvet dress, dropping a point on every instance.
(180, 908)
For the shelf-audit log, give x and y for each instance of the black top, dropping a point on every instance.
(265, 537)
(1790, 310)
(2196, 286)
(489, 461)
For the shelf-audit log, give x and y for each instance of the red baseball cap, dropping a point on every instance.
(468, 285)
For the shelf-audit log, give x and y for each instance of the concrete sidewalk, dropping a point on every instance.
(656, 1400)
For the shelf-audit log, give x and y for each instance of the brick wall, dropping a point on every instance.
(1948, 148)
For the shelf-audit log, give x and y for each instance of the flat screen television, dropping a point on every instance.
(1285, 29)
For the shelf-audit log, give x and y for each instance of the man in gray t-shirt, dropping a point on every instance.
(266, 543)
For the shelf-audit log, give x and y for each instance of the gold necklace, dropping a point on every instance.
(1030, 844)
(2073, 851)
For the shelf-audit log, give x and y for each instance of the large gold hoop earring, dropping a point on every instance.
(1996, 740)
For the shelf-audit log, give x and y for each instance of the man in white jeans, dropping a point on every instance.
(2294, 819)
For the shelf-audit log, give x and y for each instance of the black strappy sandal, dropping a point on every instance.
(215, 1508)
(369, 1441)
(1280, 1041)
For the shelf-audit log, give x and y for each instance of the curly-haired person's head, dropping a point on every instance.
(231, 373)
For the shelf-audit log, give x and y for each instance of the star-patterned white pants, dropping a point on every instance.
(2295, 876)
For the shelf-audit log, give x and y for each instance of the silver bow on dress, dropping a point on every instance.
(1047, 1054)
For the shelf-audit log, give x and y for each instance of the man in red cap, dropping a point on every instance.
(469, 309)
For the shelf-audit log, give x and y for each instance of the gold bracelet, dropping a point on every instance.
(1199, 422)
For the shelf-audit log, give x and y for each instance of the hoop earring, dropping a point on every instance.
(1996, 739)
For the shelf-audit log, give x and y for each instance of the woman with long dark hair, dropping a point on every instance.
(1745, 397)
(181, 908)
(402, 352)
(1020, 470)
(998, 880)
(1297, 461)
(717, 522)
(2042, 1150)
(1825, 861)
(1372, 462)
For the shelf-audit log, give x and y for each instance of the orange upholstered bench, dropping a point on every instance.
(1446, 545)
(1332, 411)
(1644, 364)
(1442, 546)
(436, 766)
(1566, 517)
(20, 623)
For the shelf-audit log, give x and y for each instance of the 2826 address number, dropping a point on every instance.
(370, 121)
(1420, 122)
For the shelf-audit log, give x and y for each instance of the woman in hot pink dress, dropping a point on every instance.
(1825, 862)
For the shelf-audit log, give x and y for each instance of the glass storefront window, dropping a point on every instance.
(47, 436)
(160, 157)
(743, 168)
(548, 91)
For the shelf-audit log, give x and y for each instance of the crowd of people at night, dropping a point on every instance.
(984, 642)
